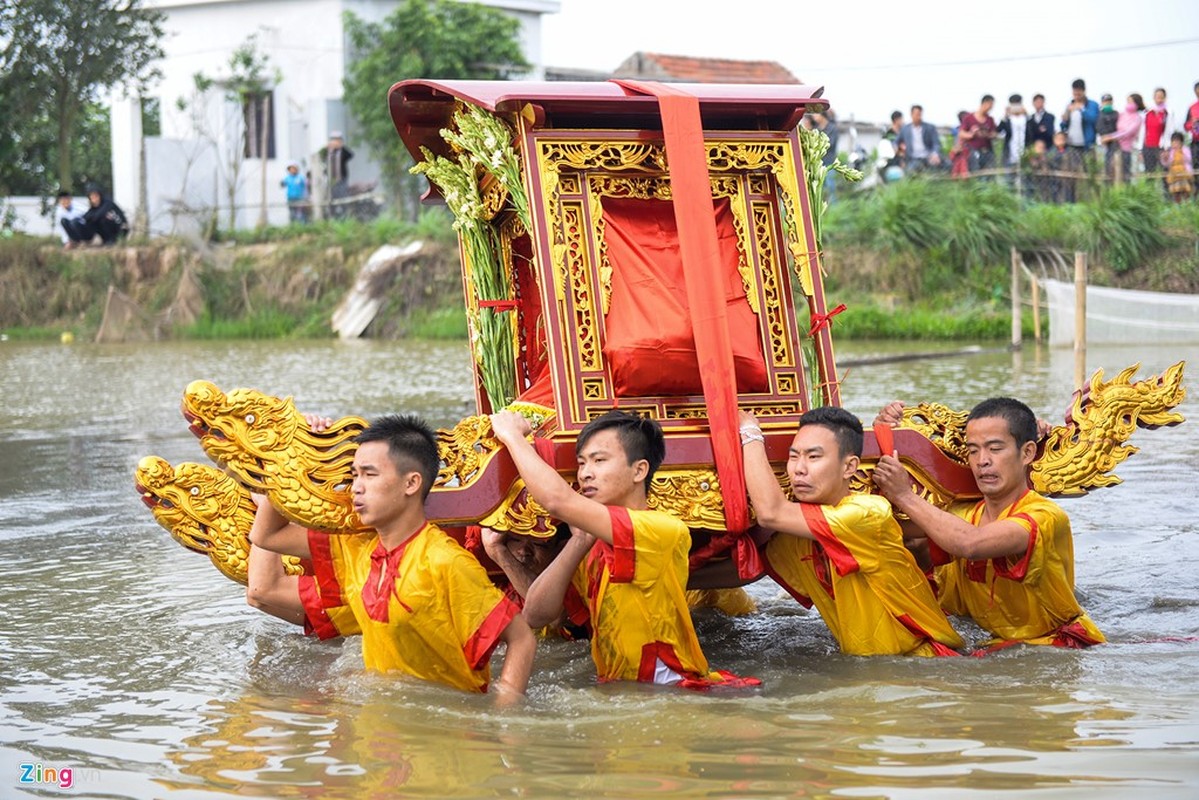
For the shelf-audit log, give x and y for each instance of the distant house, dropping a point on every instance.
(209, 152)
(687, 69)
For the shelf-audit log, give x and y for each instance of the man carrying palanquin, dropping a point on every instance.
(1007, 560)
(422, 603)
(842, 551)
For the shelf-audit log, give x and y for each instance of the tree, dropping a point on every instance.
(243, 122)
(59, 55)
(422, 39)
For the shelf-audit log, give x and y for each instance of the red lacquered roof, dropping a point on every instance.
(421, 108)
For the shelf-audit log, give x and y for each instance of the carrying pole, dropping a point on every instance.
(1036, 308)
(1017, 321)
(1080, 318)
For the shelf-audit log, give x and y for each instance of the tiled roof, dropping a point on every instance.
(659, 67)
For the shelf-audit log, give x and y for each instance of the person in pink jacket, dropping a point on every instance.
(1127, 127)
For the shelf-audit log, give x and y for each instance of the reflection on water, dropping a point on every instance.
(136, 665)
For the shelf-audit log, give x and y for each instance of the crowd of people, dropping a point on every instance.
(1051, 155)
(617, 571)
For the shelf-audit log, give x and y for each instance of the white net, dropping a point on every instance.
(1119, 316)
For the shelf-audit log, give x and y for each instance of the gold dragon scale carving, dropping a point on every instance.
(204, 510)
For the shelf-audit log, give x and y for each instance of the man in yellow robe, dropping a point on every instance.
(421, 602)
(628, 561)
(840, 551)
(1008, 560)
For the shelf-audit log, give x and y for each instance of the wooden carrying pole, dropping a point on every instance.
(1017, 321)
(1080, 318)
(1036, 308)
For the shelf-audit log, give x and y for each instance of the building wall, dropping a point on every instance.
(304, 40)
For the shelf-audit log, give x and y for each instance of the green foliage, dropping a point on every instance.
(422, 39)
(1125, 224)
(57, 58)
(434, 224)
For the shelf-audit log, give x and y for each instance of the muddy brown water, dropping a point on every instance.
(135, 665)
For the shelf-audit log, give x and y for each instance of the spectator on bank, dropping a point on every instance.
(1105, 126)
(297, 193)
(978, 134)
(1057, 161)
(921, 142)
(103, 218)
(1013, 128)
(1128, 125)
(1078, 120)
(337, 171)
(1040, 186)
(65, 209)
(1157, 120)
(892, 133)
(1040, 124)
(959, 156)
(1191, 126)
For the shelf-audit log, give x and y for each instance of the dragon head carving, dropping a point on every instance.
(268, 445)
(204, 510)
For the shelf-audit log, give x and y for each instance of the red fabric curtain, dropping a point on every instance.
(650, 344)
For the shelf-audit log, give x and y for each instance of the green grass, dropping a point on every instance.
(444, 323)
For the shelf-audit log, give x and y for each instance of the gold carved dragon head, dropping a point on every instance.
(204, 510)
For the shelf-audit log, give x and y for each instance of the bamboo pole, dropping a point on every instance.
(1017, 321)
(1080, 318)
(1036, 309)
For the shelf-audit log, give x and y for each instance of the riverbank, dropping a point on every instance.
(915, 260)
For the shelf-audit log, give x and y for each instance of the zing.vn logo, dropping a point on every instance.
(62, 777)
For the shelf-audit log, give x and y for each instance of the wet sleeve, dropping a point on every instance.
(479, 611)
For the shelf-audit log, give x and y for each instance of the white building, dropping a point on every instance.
(201, 157)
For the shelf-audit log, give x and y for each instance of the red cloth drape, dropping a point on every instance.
(690, 186)
(649, 341)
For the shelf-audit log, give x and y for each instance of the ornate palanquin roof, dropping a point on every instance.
(421, 108)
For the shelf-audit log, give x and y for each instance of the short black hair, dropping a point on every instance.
(845, 427)
(917, 107)
(1015, 99)
(1021, 422)
(411, 444)
(1038, 96)
(1079, 83)
(896, 115)
(63, 194)
(641, 438)
(987, 99)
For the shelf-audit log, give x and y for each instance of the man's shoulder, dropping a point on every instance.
(659, 520)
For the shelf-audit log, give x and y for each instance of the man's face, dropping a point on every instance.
(605, 474)
(917, 116)
(986, 106)
(1159, 97)
(65, 202)
(1038, 103)
(94, 199)
(1080, 95)
(380, 492)
(335, 143)
(532, 552)
(999, 466)
(817, 471)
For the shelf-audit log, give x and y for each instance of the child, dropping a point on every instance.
(65, 210)
(297, 193)
(1177, 161)
(1058, 161)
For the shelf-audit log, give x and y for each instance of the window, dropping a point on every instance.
(258, 113)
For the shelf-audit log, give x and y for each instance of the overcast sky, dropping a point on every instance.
(874, 57)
